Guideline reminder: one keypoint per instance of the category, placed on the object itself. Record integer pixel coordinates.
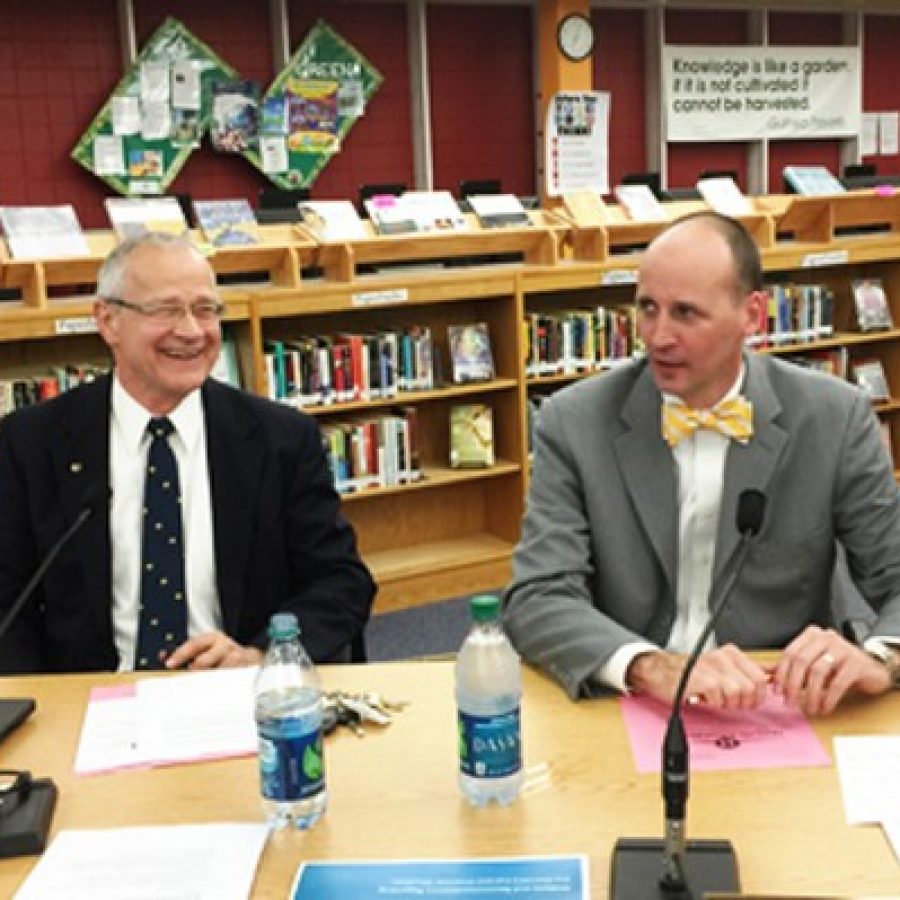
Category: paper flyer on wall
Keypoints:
(577, 142)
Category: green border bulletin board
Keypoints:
(311, 107)
(150, 164)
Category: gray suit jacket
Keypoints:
(596, 564)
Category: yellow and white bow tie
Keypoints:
(733, 418)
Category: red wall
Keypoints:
(619, 66)
(482, 109)
(881, 85)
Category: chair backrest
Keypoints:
(278, 198)
(651, 179)
(860, 170)
(472, 187)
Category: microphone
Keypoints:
(95, 498)
(689, 869)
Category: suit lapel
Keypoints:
(235, 467)
(80, 459)
(750, 465)
(649, 473)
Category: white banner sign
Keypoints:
(746, 93)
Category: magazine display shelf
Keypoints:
(538, 244)
(452, 531)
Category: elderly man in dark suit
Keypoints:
(637, 474)
(249, 522)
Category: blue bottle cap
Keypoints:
(283, 625)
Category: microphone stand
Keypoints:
(674, 868)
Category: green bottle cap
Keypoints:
(485, 608)
(283, 626)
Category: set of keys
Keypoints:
(355, 710)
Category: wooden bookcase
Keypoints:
(453, 532)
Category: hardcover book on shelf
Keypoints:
(586, 208)
(434, 211)
(471, 356)
(870, 377)
(872, 310)
(639, 203)
(390, 214)
(332, 220)
(499, 211)
(812, 181)
(132, 217)
(42, 232)
(724, 196)
(227, 223)
(471, 436)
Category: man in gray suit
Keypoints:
(626, 531)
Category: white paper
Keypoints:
(892, 832)
(869, 769)
(887, 133)
(202, 715)
(186, 91)
(109, 155)
(868, 134)
(108, 734)
(155, 82)
(273, 153)
(156, 120)
(200, 862)
(126, 115)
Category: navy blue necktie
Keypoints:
(162, 622)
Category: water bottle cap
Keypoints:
(283, 625)
(485, 607)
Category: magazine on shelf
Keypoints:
(471, 356)
(870, 378)
(390, 215)
(434, 211)
(471, 436)
(724, 196)
(499, 210)
(227, 223)
(42, 232)
(332, 220)
(132, 217)
(640, 203)
(812, 181)
(872, 310)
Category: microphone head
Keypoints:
(751, 509)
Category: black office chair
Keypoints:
(681, 193)
(651, 179)
(860, 170)
(367, 191)
(719, 173)
(469, 188)
(279, 198)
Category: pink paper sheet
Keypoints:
(773, 736)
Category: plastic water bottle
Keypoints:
(289, 725)
(488, 698)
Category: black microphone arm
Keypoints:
(96, 497)
(688, 870)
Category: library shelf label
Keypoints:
(828, 258)
(619, 276)
(76, 325)
(373, 298)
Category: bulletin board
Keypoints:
(310, 108)
(156, 115)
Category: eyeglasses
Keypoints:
(170, 313)
(14, 790)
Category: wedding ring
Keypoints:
(828, 659)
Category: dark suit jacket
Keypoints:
(281, 543)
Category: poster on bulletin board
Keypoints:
(577, 142)
(310, 107)
(157, 113)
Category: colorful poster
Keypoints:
(577, 142)
(235, 109)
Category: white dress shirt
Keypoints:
(700, 461)
(128, 446)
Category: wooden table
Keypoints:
(393, 794)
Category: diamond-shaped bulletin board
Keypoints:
(156, 115)
(311, 106)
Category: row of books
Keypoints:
(795, 313)
(38, 232)
(322, 370)
(26, 391)
(375, 451)
(579, 340)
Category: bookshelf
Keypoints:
(453, 531)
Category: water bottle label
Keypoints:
(490, 746)
(291, 768)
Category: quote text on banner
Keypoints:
(747, 93)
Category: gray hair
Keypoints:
(112, 273)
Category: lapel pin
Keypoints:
(75, 467)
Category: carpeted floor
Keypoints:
(429, 630)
